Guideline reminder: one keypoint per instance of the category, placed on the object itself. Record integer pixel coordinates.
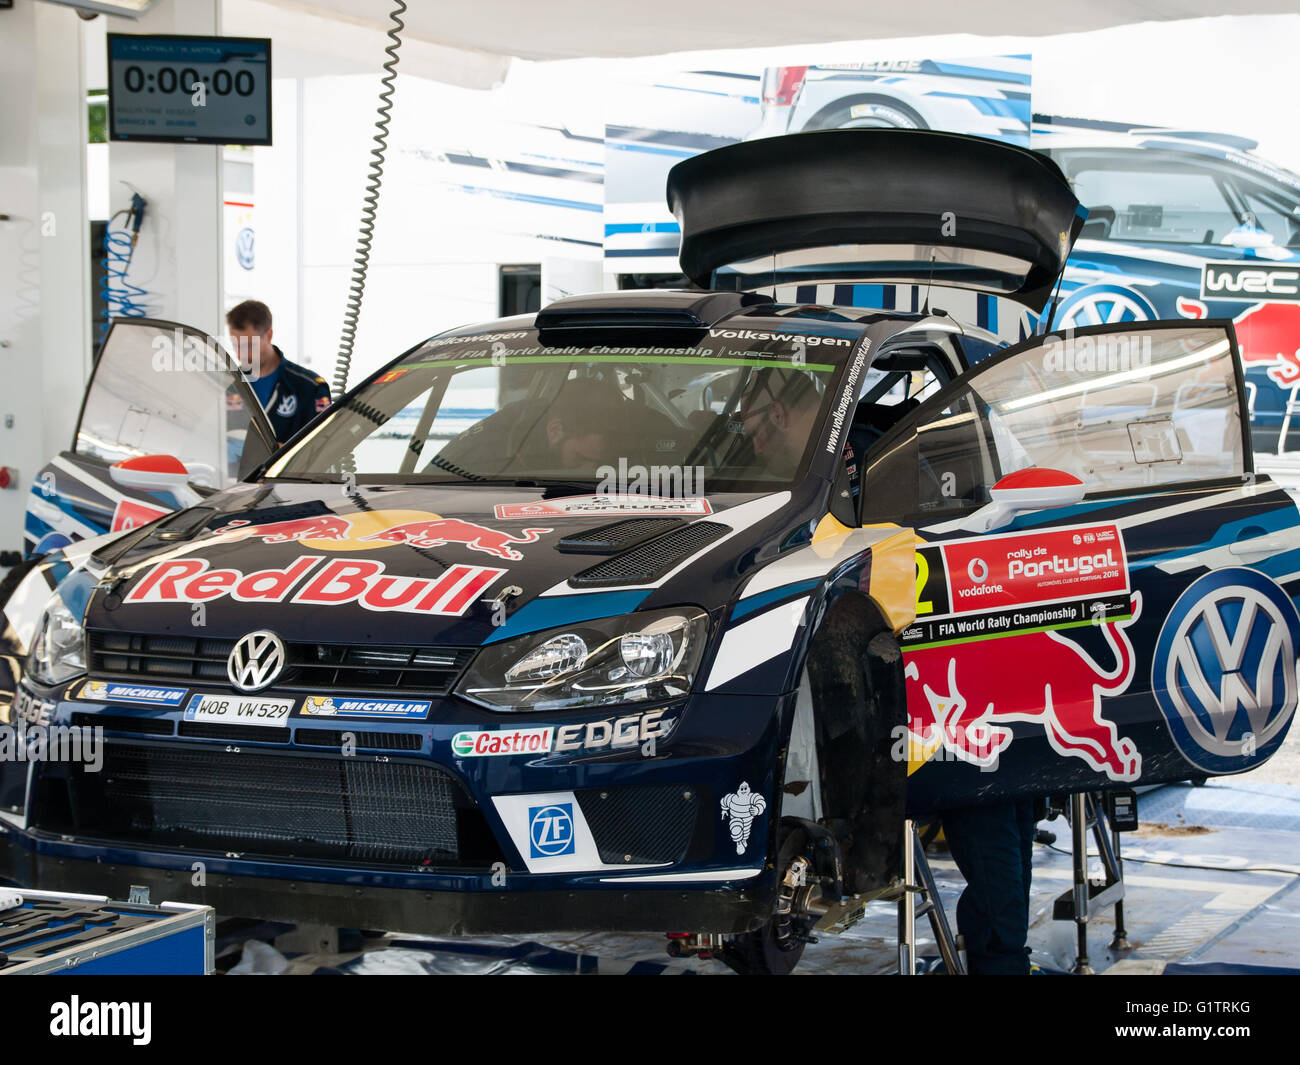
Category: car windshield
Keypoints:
(738, 411)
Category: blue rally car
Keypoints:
(661, 610)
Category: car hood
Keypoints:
(424, 565)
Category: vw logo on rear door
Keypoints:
(1224, 669)
(256, 661)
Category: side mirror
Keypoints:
(150, 473)
(155, 473)
(1033, 488)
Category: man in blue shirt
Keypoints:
(290, 394)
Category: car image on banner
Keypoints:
(1189, 224)
(662, 610)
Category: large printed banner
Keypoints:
(652, 127)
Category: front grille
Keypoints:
(640, 825)
(218, 730)
(150, 726)
(311, 666)
(650, 560)
(267, 804)
(380, 741)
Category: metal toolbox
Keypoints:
(55, 932)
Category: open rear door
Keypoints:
(158, 388)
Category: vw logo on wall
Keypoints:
(1224, 671)
(256, 661)
(244, 247)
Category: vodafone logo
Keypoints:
(337, 583)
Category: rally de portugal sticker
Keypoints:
(1035, 579)
(1224, 669)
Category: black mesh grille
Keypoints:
(384, 741)
(262, 804)
(621, 534)
(146, 726)
(652, 559)
(216, 730)
(640, 826)
(312, 666)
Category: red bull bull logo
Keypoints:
(317, 527)
(963, 695)
(1269, 335)
(439, 532)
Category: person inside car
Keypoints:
(290, 394)
(779, 414)
(574, 433)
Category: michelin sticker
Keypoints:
(108, 692)
(1224, 669)
(742, 808)
(334, 706)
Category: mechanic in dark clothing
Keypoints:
(993, 847)
(290, 394)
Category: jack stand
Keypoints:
(1088, 896)
(919, 880)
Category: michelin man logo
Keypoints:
(742, 808)
(319, 705)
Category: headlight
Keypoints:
(643, 657)
(58, 654)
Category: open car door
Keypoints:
(158, 389)
(1106, 593)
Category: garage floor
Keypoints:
(1213, 880)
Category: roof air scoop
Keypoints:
(875, 205)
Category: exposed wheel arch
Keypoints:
(853, 677)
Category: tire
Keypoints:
(776, 948)
(880, 113)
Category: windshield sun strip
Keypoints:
(701, 360)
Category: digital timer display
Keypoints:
(197, 90)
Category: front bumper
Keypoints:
(507, 885)
(483, 911)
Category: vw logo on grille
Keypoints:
(256, 661)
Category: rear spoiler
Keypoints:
(872, 205)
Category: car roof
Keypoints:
(601, 313)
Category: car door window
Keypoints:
(1121, 409)
(1153, 200)
(159, 388)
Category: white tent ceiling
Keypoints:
(471, 42)
(571, 29)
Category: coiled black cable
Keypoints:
(374, 179)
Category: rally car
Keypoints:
(986, 97)
(1188, 224)
(660, 611)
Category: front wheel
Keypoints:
(776, 948)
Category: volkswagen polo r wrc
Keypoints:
(661, 611)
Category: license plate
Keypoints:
(239, 709)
